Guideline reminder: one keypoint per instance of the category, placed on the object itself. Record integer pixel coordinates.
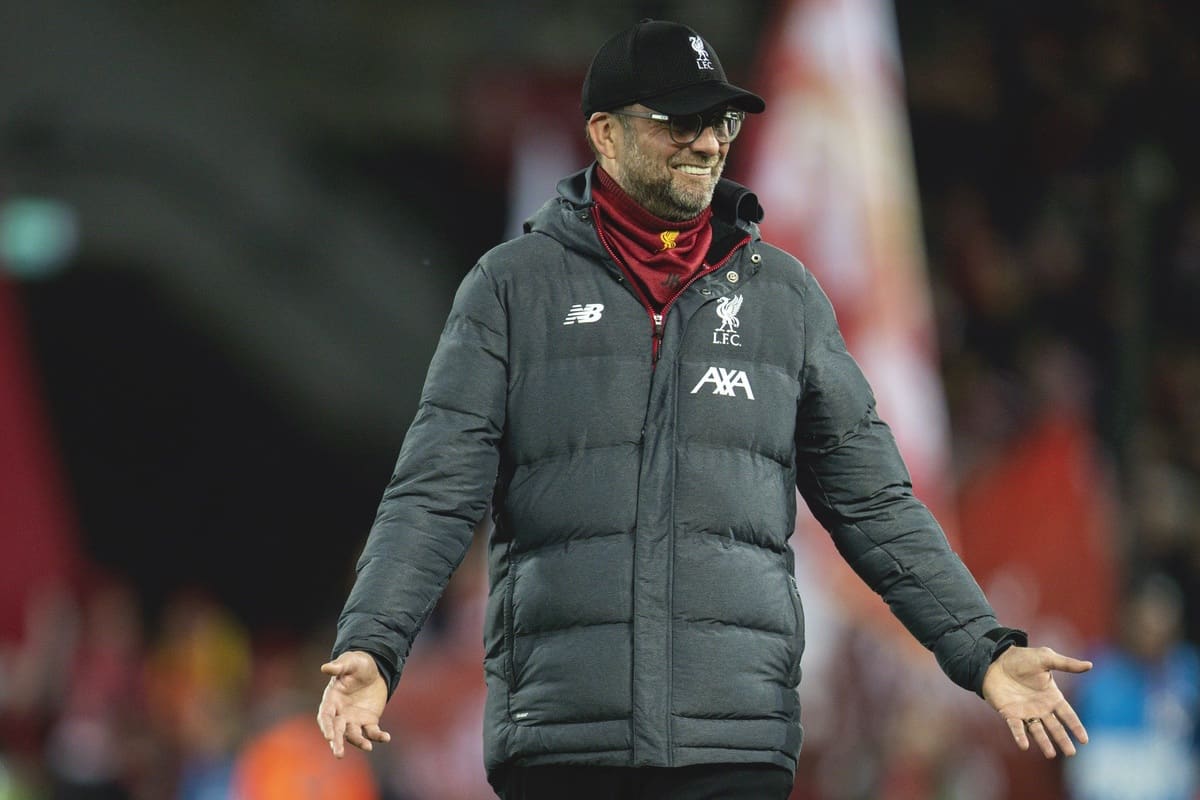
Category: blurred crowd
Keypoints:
(1058, 171)
(1060, 187)
(100, 702)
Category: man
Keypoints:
(639, 384)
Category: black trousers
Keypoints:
(701, 782)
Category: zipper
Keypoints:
(657, 328)
(702, 273)
(658, 322)
(660, 319)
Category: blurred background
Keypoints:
(229, 235)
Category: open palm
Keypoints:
(1020, 685)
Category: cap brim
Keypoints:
(700, 97)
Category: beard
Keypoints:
(660, 190)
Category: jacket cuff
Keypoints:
(390, 674)
(998, 639)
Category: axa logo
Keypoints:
(583, 314)
(703, 59)
(725, 382)
(727, 312)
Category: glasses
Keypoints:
(687, 128)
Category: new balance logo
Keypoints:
(584, 313)
(726, 382)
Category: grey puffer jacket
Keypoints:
(643, 609)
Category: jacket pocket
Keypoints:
(798, 638)
(516, 715)
(510, 671)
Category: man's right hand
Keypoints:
(352, 703)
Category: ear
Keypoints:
(603, 128)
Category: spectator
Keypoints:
(1141, 705)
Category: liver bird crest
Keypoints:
(727, 309)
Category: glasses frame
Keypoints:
(710, 122)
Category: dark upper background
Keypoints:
(276, 200)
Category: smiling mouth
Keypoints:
(690, 169)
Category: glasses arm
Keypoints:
(654, 115)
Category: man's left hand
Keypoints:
(1020, 685)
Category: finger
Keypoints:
(1037, 731)
(334, 668)
(354, 736)
(1017, 728)
(1072, 721)
(375, 733)
(338, 744)
(325, 722)
(1059, 735)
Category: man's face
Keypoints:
(672, 181)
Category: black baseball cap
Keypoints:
(665, 66)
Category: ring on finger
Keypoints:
(1033, 721)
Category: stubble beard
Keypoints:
(652, 185)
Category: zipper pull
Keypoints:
(658, 335)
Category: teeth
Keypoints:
(690, 170)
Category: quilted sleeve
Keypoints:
(441, 485)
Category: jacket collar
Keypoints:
(733, 204)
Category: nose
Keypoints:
(707, 144)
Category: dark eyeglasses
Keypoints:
(687, 128)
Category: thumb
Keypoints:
(335, 668)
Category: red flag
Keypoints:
(831, 162)
(36, 525)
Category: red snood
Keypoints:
(660, 255)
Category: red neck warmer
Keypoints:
(660, 255)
